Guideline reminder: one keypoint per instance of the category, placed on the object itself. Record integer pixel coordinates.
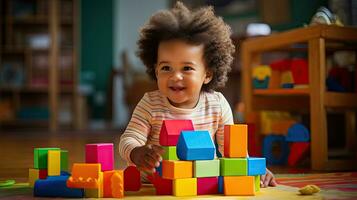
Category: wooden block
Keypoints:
(220, 185)
(162, 186)
(206, 168)
(64, 160)
(207, 185)
(176, 169)
(236, 141)
(256, 166)
(117, 183)
(54, 163)
(34, 174)
(40, 157)
(132, 179)
(170, 153)
(185, 187)
(171, 130)
(195, 145)
(234, 166)
(85, 175)
(257, 183)
(239, 185)
(102, 153)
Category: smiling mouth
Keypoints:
(177, 88)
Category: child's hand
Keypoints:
(147, 157)
(267, 180)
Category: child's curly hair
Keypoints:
(196, 27)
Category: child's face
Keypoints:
(181, 72)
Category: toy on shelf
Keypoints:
(261, 76)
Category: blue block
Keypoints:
(220, 185)
(159, 169)
(256, 166)
(195, 145)
(298, 133)
(268, 142)
(55, 186)
(261, 84)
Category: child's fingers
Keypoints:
(159, 150)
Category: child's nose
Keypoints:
(177, 76)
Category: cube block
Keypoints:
(162, 186)
(207, 185)
(132, 179)
(206, 168)
(234, 166)
(55, 186)
(170, 153)
(54, 163)
(176, 169)
(95, 192)
(102, 153)
(239, 185)
(171, 130)
(256, 166)
(85, 175)
(64, 160)
(185, 187)
(236, 141)
(195, 145)
(34, 175)
(257, 183)
(113, 180)
(40, 157)
(220, 185)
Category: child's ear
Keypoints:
(209, 76)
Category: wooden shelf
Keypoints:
(341, 100)
(282, 92)
(63, 89)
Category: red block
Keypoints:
(42, 174)
(132, 180)
(297, 151)
(253, 141)
(281, 65)
(171, 129)
(207, 185)
(300, 71)
(162, 186)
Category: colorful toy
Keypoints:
(261, 76)
(298, 133)
(132, 180)
(268, 146)
(102, 153)
(54, 163)
(239, 185)
(300, 71)
(64, 160)
(234, 166)
(236, 140)
(281, 126)
(176, 169)
(220, 185)
(171, 129)
(185, 187)
(55, 186)
(162, 186)
(113, 183)
(195, 145)
(207, 185)
(206, 168)
(170, 153)
(85, 175)
(297, 151)
(40, 157)
(256, 166)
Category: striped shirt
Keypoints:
(211, 113)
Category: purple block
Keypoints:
(102, 153)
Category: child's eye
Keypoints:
(165, 68)
(187, 68)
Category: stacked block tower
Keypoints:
(190, 168)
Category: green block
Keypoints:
(206, 168)
(234, 166)
(257, 183)
(170, 153)
(64, 160)
(40, 157)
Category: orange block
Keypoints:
(236, 141)
(113, 180)
(239, 185)
(97, 192)
(85, 175)
(174, 169)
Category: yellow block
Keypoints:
(97, 192)
(85, 175)
(261, 72)
(236, 141)
(257, 183)
(54, 163)
(174, 169)
(287, 77)
(34, 174)
(239, 185)
(185, 187)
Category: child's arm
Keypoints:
(147, 157)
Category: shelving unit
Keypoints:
(316, 41)
(40, 38)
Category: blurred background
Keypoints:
(68, 68)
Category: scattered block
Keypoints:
(117, 184)
(297, 151)
(236, 141)
(195, 145)
(185, 187)
(40, 157)
(257, 183)
(220, 185)
(234, 166)
(55, 186)
(33, 176)
(207, 185)
(256, 166)
(176, 169)
(109, 183)
(54, 163)
(239, 185)
(162, 186)
(298, 133)
(64, 160)
(171, 130)
(170, 153)
(206, 168)
(132, 179)
(268, 148)
(102, 153)
(85, 175)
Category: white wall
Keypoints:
(129, 16)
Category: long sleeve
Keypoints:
(138, 129)
(226, 118)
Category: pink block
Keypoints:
(207, 185)
(102, 153)
(171, 130)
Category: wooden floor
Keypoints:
(16, 148)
